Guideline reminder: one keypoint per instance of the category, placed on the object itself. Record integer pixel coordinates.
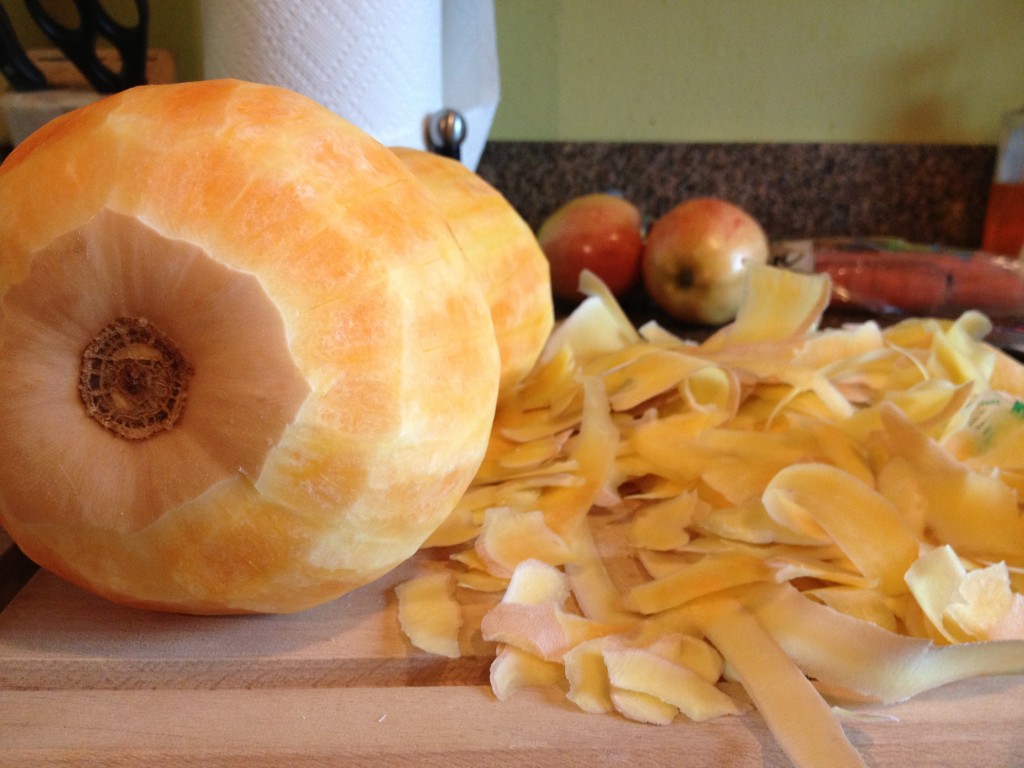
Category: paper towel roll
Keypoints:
(384, 66)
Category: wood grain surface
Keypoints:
(84, 681)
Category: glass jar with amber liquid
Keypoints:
(1004, 219)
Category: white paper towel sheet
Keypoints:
(384, 65)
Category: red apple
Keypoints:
(696, 257)
(600, 232)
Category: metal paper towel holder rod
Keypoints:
(446, 130)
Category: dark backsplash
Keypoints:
(922, 193)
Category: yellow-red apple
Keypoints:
(696, 256)
(600, 232)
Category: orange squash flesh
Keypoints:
(503, 252)
(344, 367)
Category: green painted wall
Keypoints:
(759, 70)
(729, 70)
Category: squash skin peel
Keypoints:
(773, 558)
(381, 316)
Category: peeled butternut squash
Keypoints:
(244, 364)
(503, 252)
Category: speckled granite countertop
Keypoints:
(925, 193)
(922, 193)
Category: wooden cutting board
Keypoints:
(86, 681)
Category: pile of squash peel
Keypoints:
(825, 517)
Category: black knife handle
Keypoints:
(17, 67)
